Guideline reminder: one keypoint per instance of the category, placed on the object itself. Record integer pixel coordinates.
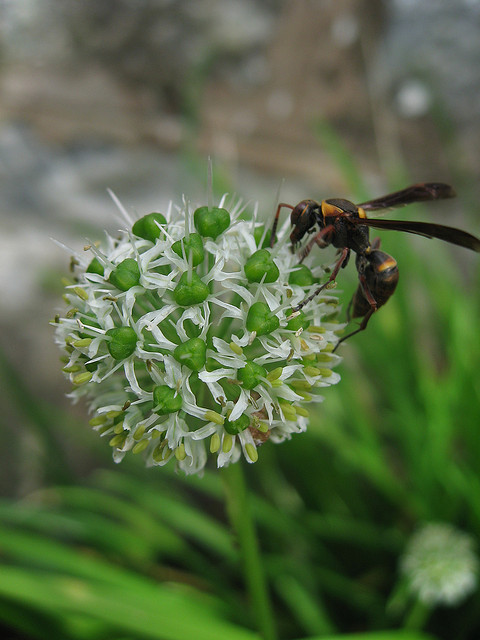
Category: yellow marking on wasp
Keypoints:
(361, 213)
(330, 209)
(387, 264)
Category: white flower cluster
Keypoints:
(180, 334)
(440, 565)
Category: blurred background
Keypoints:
(338, 98)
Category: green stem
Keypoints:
(417, 616)
(240, 515)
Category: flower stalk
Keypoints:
(239, 511)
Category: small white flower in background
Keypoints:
(178, 333)
(440, 565)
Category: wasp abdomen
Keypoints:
(381, 277)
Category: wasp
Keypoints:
(345, 225)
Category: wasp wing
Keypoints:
(421, 192)
(429, 230)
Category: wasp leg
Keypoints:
(343, 257)
(362, 327)
(373, 307)
(275, 222)
(318, 239)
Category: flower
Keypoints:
(180, 334)
(440, 564)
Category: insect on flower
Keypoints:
(345, 225)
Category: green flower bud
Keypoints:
(237, 426)
(96, 266)
(190, 290)
(236, 348)
(312, 371)
(260, 266)
(140, 446)
(82, 378)
(261, 320)
(324, 357)
(298, 322)
(258, 235)
(147, 226)
(213, 416)
(302, 276)
(212, 364)
(81, 293)
(166, 400)
(122, 343)
(125, 275)
(193, 246)
(192, 353)
(251, 374)
(251, 451)
(214, 443)
(210, 222)
(275, 374)
(180, 453)
(227, 443)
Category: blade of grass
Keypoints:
(187, 519)
(160, 612)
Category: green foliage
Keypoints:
(148, 553)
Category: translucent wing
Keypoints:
(422, 192)
(429, 230)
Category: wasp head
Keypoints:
(303, 219)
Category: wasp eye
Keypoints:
(295, 215)
(302, 220)
(302, 213)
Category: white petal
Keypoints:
(218, 374)
(204, 432)
(240, 406)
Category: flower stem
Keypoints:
(240, 515)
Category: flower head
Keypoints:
(180, 334)
(440, 564)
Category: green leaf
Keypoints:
(156, 611)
